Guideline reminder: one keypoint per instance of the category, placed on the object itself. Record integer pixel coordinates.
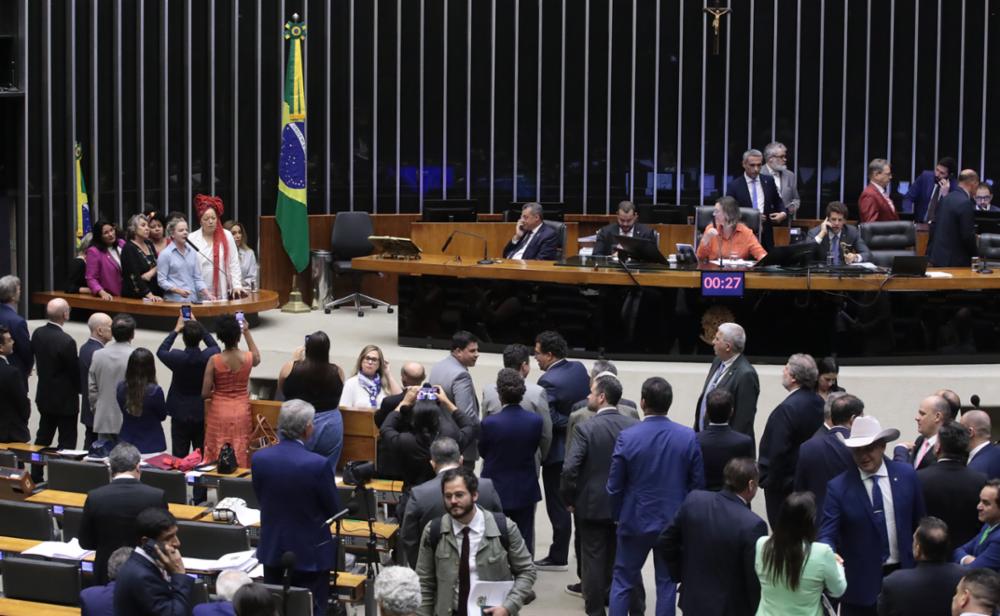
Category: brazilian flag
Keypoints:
(292, 212)
(81, 202)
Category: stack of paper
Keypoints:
(244, 561)
(57, 549)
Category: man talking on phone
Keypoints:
(153, 580)
(533, 239)
(838, 239)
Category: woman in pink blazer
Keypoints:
(104, 261)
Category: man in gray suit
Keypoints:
(518, 357)
(425, 502)
(848, 245)
(452, 374)
(776, 166)
(107, 369)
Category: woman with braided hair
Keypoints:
(219, 260)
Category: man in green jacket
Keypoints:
(467, 535)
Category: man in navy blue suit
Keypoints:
(564, 382)
(929, 188)
(710, 546)
(824, 455)
(755, 190)
(10, 294)
(952, 240)
(718, 441)
(869, 515)
(297, 493)
(984, 456)
(99, 600)
(789, 425)
(153, 579)
(656, 463)
(533, 239)
(928, 587)
(983, 550)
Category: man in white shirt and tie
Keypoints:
(751, 189)
(837, 242)
(533, 239)
(933, 412)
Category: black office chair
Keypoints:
(199, 593)
(238, 488)
(560, 229)
(989, 246)
(704, 214)
(348, 240)
(77, 476)
(26, 521)
(72, 519)
(43, 581)
(889, 239)
(300, 600)
(173, 483)
(208, 540)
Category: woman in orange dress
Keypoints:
(226, 393)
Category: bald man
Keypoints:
(953, 233)
(100, 334)
(58, 366)
(984, 456)
(411, 375)
(933, 412)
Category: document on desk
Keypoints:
(70, 550)
(244, 561)
(487, 594)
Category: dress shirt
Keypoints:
(752, 185)
(777, 177)
(889, 508)
(141, 552)
(519, 253)
(177, 270)
(926, 447)
(975, 450)
(477, 531)
(248, 266)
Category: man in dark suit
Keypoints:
(731, 371)
(710, 546)
(564, 382)
(929, 188)
(754, 190)
(425, 502)
(109, 514)
(984, 456)
(719, 443)
(626, 225)
(10, 294)
(951, 491)
(875, 203)
(848, 245)
(297, 494)
(855, 521)
(58, 393)
(977, 594)
(100, 334)
(824, 455)
(99, 600)
(153, 580)
(15, 408)
(584, 490)
(983, 549)
(925, 590)
(533, 239)
(932, 413)
(790, 424)
(184, 403)
(656, 463)
(952, 240)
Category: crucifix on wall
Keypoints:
(717, 12)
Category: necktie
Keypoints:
(923, 451)
(712, 384)
(753, 193)
(878, 508)
(932, 204)
(463, 574)
(835, 248)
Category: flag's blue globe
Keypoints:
(293, 156)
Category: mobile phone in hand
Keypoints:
(241, 318)
(186, 312)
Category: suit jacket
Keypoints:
(789, 190)
(849, 234)
(544, 246)
(741, 381)
(986, 552)
(719, 445)
(23, 358)
(873, 206)
(564, 383)
(849, 527)
(15, 408)
(85, 359)
(951, 492)
(107, 368)
(605, 244)
(535, 401)
(141, 589)
(103, 273)
(58, 391)
(918, 197)
(296, 492)
(184, 402)
(456, 381)
(581, 414)
(987, 461)
(773, 204)
(821, 458)
(585, 471)
(952, 241)
(108, 521)
(98, 600)
(901, 454)
(426, 503)
(790, 424)
(213, 608)
(710, 548)
(508, 441)
(925, 590)
(655, 464)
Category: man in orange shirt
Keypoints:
(874, 203)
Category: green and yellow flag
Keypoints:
(292, 212)
(81, 202)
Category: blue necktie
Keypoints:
(712, 384)
(753, 193)
(878, 508)
(835, 247)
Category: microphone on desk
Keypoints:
(485, 260)
(229, 280)
(447, 242)
(336, 516)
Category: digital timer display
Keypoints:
(722, 284)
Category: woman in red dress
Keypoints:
(226, 393)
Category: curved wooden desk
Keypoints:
(257, 302)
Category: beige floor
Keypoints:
(891, 393)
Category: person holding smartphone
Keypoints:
(532, 238)
(838, 239)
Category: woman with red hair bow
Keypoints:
(220, 260)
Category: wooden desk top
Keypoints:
(239, 473)
(21, 447)
(15, 544)
(77, 499)
(257, 302)
(15, 607)
(381, 485)
(359, 528)
(547, 271)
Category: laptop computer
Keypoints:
(641, 250)
(784, 256)
(909, 266)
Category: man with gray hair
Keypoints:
(776, 166)
(297, 494)
(875, 203)
(790, 424)
(10, 294)
(397, 591)
(731, 371)
(100, 600)
(100, 334)
(751, 189)
(533, 239)
(109, 512)
(226, 585)
(58, 392)
(984, 456)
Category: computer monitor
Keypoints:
(449, 210)
(987, 222)
(655, 213)
(551, 210)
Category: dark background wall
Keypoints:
(581, 101)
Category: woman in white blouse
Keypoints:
(219, 260)
(248, 260)
(371, 382)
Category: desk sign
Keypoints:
(722, 284)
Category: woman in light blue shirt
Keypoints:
(793, 568)
(177, 268)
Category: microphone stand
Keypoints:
(338, 607)
(485, 260)
(229, 281)
(371, 551)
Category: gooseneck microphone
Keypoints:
(485, 260)
(229, 280)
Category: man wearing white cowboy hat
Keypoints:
(869, 515)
